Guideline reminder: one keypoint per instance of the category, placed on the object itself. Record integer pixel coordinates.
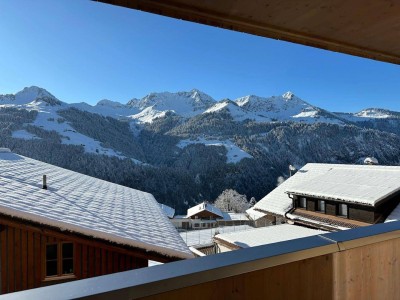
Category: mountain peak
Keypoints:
(109, 103)
(29, 94)
(288, 95)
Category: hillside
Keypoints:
(187, 147)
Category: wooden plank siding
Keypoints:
(23, 262)
(367, 271)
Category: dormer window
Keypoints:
(343, 211)
(303, 202)
(321, 206)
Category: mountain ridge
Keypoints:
(188, 153)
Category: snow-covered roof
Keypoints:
(255, 214)
(277, 201)
(205, 236)
(358, 183)
(204, 207)
(230, 216)
(267, 235)
(86, 205)
(168, 211)
(363, 184)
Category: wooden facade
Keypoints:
(23, 256)
(205, 214)
(355, 212)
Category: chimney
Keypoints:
(44, 182)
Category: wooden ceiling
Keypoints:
(366, 28)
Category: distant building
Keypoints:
(201, 216)
(262, 219)
(66, 226)
(335, 197)
(206, 215)
(204, 211)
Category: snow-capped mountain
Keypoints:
(139, 113)
(370, 114)
(184, 104)
(28, 95)
(284, 108)
(186, 147)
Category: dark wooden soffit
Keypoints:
(365, 28)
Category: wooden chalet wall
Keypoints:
(356, 212)
(23, 257)
(205, 214)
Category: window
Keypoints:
(343, 210)
(303, 202)
(321, 206)
(59, 259)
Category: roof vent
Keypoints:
(5, 150)
(44, 182)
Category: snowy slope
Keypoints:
(107, 108)
(235, 111)
(234, 154)
(47, 106)
(28, 95)
(370, 114)
(185, 104)
(287, 107)
(141, 112)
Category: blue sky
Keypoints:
(81, 50)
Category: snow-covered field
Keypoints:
(205, 236)
(234, 155)
(23, 134)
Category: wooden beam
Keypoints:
(362, 28)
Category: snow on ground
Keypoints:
(23, 134)
(48, 119)
(234, 155)
(148, 115)
(237, 113)
(107, 108)
(205, 236)
(374, 114)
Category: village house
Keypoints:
(335, 197)
(57, 225)
(206, 215)
(203, 215)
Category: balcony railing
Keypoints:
(362, 263)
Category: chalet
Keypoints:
(335, 197)
(203, 215)
(261, 236)
(204, 211)
(57, 225)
